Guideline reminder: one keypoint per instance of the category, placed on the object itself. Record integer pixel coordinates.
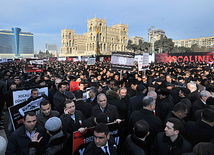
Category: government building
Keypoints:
(16, 44)
(110, 39)
(206, 42)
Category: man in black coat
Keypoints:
(19, 140)
(52, 92)
(180, 110)
(170, 142)
(135, 143)
(71, 119)
(146, 113)
(59, 98)
(82, 106)
(135, 100)
(200, 103)
(201, 130)
(102, 143)
(166, 103)
(103, 106)
(115, 99)
(93, 96)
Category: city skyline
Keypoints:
(45, 19)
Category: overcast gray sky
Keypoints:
(180, 19)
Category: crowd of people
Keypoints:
(167, 109)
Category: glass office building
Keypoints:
(16, 43)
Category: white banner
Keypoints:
(20, 96)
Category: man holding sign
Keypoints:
(102, 144)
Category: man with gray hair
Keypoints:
(146, 113)
(194, 95)
(93, 96)
(200, 103)
(103, 106)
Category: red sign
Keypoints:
(74, 86)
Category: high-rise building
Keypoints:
(16, 44)
(110, 39)
(156, 34)
(206, 42)
(135, 39)
(51, 47)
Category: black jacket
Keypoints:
(58, 146)
(84, 107)
(164, 146)
(41, 118)
(135, 146)
(198, 131)
(93, 103)
(58, 102)
(166, 106)
(114, 98)
(69, 125)
(92, 149)
(133, 101)
(110, 110)
(18, 141)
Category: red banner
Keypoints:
(207, 57)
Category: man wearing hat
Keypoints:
(59, 142)
(166, 103)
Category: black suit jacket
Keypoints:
(84, 107)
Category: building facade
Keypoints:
(135, 39)
(156, 34)
(206, 42)
(110, 39)
(16, 44)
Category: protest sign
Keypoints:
(74, 86)
(122, 61)
(17, 111)
(22, 95)
(91, 61)
(34, 65)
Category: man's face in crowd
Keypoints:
(134, 87)
(100, 139)
(168, 79)
(123, 93)
(144, 78)
(91, 94)
(100, 89)
(57, 83)
(17, 81)
(63, 88)
(30, 122)
(182, 115)
(70, 107)
(34, 94)
(46, 109)
(111, 85)
(102, 101)
(13, 86)
(169, 129)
